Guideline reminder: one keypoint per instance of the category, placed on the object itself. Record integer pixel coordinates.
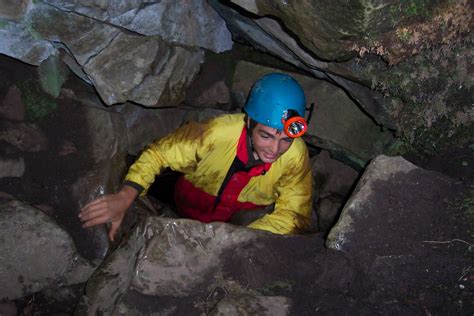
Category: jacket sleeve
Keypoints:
(292, 213)
(180, 151)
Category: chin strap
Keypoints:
(310, 112)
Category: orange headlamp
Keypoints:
(294, 126)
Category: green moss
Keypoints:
(38, 105)
(404, 37)
(3, 24)
(403, 12)
(52, 75)
(419, 7)
(440, 136)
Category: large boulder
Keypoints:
(144, 125)
(36, 253)
(186, 267)
(408, 232)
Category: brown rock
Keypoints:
(12, 107)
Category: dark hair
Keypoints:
(253, 124)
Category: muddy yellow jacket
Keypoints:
(205, 152)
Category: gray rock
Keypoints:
(12, 167)
(179, 266)
(327, 210)
(93, 243)
(17, 39)
(55, 25)
(182, 265)
(163, 257)
(36, 253)
(214, 96)
(201, 115)
(143, 125)
(107, 132)
(108, 148)
(122, 66)
(332, 177)
(194, 24)
(148, 71)
(109, 283)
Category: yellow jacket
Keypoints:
(204, 153)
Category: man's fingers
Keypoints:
(96, 221)
(93, 207)
(93, 214)
(94, 202)
(113, 229)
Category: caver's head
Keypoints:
(276, 109)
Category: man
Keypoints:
(232, 163)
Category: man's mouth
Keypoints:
(270, 156)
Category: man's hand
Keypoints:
(108, 208)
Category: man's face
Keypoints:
(268, 143)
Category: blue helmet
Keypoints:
(272, 99)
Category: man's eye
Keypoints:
(288, 140)
(264, 136)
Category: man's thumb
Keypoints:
(113, 230)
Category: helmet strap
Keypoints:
(250, 125)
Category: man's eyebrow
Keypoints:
(266, 133)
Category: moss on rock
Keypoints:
(38, 105)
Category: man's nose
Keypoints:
(275, 147)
